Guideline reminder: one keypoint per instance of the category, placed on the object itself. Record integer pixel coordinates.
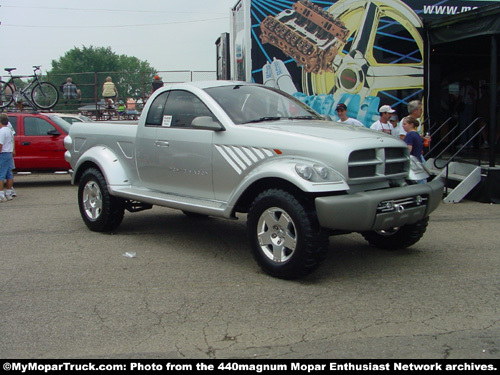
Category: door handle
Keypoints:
(25, 143)
(161, 143)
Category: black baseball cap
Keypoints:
(341, 106)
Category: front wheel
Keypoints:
(397, 238)
(45, 95)
(100, 211)
(6, 94)
(285, 237)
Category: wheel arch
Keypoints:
(105, 160)
(251, 192)
(77, 174)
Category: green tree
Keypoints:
(89, 67)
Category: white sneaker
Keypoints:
(8, 197)
(13, 193)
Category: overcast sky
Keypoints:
(169, 34)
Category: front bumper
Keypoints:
(379, 209)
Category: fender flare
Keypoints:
(106, 160)
(284, 169)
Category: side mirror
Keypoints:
(53, 132)
(326, 117)
(206, 122)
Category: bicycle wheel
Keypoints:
(45, 95)
(6, 92)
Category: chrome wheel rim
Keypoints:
(92, 200)
(277, 235)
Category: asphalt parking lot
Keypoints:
(192, 290)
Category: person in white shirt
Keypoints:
(9, 125)
(415, 111)
(342, 113)
(383, 124)
(398, 128)
(6, 155)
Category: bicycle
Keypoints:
(38, 94)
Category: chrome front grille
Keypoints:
(380, 162)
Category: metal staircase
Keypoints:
(460, 179)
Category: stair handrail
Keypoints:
(436, 144)
(431, 126)
(452, 143)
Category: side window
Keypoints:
(182, 108)
(13, 122)
(37, 126)
(155, 114)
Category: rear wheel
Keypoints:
(285, 237)
(45, 95)
(399, 237)
(100, 211)
(6, 94)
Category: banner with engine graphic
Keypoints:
(364, 54)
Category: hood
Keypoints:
(323, 129)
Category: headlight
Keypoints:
(304, 171)
(321, 171)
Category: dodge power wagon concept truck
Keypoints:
(220, 148)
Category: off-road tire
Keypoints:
(100, 211)
(398, 238)
(276, 214)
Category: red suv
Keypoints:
(39, 142)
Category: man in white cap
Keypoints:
(383, 124)
(343, 118)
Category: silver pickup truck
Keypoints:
(221, 148)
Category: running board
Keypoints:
(185, 203)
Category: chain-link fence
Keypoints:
(132, 87)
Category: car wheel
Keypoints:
(285, 237)
(100, 211)
(397, 238)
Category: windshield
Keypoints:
(246, 104)
(62, 123)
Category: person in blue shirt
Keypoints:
(412, 137)
(414, 140)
